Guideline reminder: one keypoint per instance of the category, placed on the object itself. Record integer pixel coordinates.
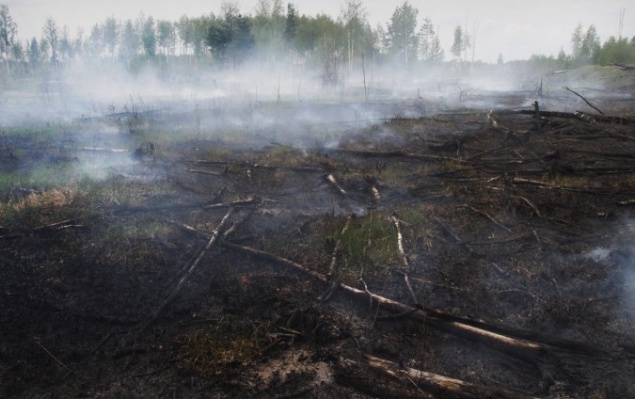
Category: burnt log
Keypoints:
(523, 344)
(440, 384)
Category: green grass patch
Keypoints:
(220, 349)
(36, 132)
(367, 248)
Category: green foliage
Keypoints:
(291, 25)
(542, 64)
(130, 41)
(312, 31)
(8, 29)
(585, 45)
(230, 38)
(354, 19)
(33, 54)
(110, 32)
(267, 27)
(148, 38)
(369, 245)
(618, 51)
(461, 42)
(272, 34)
(50, 33)
(401, 37)
(429, 44)
(166, 36)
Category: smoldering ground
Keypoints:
(339, 197)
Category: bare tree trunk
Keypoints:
(364, 73)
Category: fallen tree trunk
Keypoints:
(373, 383)
(190, 270)
(168, 207)
(618, 120)
(249, 202)
(520, 348)
(98, 149)
(208, 172)
(440, 384)
(524, 344)
(395, 154)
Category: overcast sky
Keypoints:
(514, 28)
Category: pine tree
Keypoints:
(291, 26)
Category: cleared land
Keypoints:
(459, 254)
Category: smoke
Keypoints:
(91, 89)
(105, 107)
(619, 257)
(598, 254)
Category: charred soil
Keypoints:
(466, 254)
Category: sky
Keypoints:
(512, 28)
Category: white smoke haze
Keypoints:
(244, 99)
(280, 97)
(90, 88)
(254, 105)
(620, 253)
(598, 254)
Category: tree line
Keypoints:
(229, 38)
(585, 49)
(274, 32)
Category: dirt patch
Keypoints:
(467, 254)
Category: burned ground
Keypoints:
(460, 254)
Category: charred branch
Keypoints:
(338, 244)
(439, 384)
(333, 182)
(375, 192)
(353, 374)
(168, 207)
(577, 115)
(516, 342)
(493, 120)
(396, 154)
(488, 217)
(585, 100)
(402, 253)
(452, 234)
(189, 271)
(246, 203)
(65, 224)
(299, 169)
(209, 172)
(528, 202)
(99, 149)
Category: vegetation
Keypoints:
(276, 34)
(230, 38)
(446, 215)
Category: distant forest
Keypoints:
(276, 33)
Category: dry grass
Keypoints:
(221, 348)
(40, 208)
(53, 198)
